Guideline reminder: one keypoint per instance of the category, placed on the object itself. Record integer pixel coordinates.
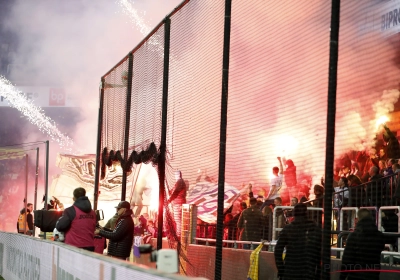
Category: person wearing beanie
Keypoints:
(302, 240)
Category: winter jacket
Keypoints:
(24, 220)
(79, 230)
(250, 224)
(302, 239)
(363, 251)
(121, 238)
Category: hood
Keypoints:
(83, 203)
(366, 224)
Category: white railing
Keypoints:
(274, 217)
(350, 209)
(24, 257)
(398, 220)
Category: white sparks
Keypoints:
(132, 13)
(155, 40)
(33, 113)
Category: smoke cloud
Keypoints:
(71, 45)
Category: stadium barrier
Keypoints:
(239, 259)
(353, 213)
(311, 210)
(24, 257)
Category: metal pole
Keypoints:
(127, 125)
(163, 144)
(46, 176)
(222, 141)
(46, 181)
(330, 138)
(36, 185)
(26, 192)
(36, 178)
(98, 148)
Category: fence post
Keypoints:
(127, 126)
(98, 148)
(330, 137)
(222, 140)
(163, 144)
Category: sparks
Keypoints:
(33, 113)
(132, 13)
(155, 40)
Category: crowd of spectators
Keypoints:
(362, 178)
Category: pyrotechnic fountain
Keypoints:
(34, 114)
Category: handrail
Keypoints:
(275, 229)
(341, 215)
(235, 242)
(380, 219)
(390, 191)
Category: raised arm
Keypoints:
(280, 165)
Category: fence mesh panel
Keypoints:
(278, 102)
(113, 132)
(147, 82)
(194, 106)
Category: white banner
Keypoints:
(387, 17)
(45, 96)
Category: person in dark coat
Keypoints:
(363, 249)
(302, 239)
(393, 147)
(374, 188)
(121, 238)
(250, 223)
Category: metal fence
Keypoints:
(220, 89)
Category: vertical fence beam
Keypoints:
(36, 178)
(330, 138)
(26, 190)
(222, 140)
(127, 126)
(163, 144)
(98, 147)
(46, 177)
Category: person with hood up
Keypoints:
(78, 222)
(121, 238)
(302, 239)
(362, 254)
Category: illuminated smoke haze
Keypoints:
(278, 76)
(71, 45)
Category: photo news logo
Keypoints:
(56, 97)
(357, 268)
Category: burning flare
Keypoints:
(381, 120)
